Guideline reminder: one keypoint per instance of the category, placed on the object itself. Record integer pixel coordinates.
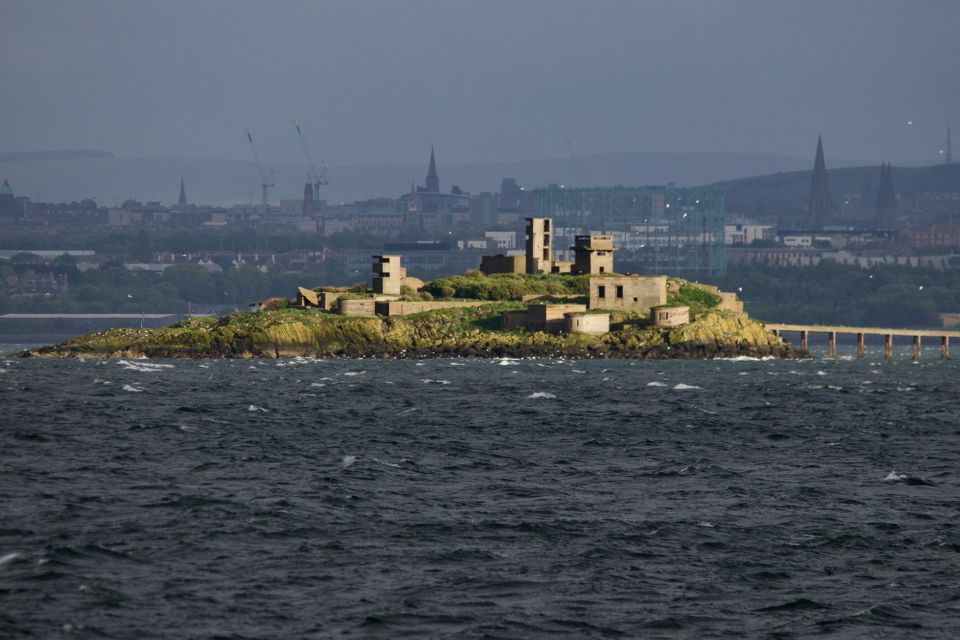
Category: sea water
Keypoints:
(479, 498)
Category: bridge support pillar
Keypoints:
(916, 347)
(860, 344)
(832, 345)
(888, 346)
(805, 340)
(945, 347)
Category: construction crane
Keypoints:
(266, 181)
(583, 186)
(318, 178)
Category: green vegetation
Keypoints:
(889, 296)
(279, 331)
(690, 295)
(507, 286)
(113, 289)
(446, 332)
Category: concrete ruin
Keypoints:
(539, 246)
(310, 299)
(388, 274)
(595, 324)
(635, 294)
(669, 316)
(593, 254)
(357, 307)
(405, 308)
(541, 317)
(500, 263)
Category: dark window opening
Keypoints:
(601, 291)
(619, 289)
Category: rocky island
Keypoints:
(472, 328)
(513, 306)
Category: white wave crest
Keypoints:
(254, 407)
(542, 394)
(131, 388)
(656, 383)
(143, 367)
(893, 476)
(389, 464)
(684, 387)
(348, 461)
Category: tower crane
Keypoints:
(266, 181)
(583, 186)
(318, 178)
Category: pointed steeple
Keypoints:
(886, 197)
(182, 200)
(433, 180)
(821, 205)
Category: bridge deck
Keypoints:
(871, 331)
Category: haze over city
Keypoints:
(379, 82)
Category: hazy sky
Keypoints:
(380, 81)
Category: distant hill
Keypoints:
(74, 175)
(785, 194)
(70, 154)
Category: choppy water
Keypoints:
(479, 499)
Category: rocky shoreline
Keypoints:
(450, 333)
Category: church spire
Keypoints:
(433, 180)
(182, 200)
(886, 197)
(820, 202)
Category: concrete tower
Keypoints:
(182, 200)
(433, 180)
(539, 247)
(821, 205)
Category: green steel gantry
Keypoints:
(664, 229)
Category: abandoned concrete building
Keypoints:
(539, 247)
(307, 298)
(636, 294)
(593, 254)
(590, 323)
(500, 263)
(543, 317)
(326, 300)
(389, 275)
(669, 316)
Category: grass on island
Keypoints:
(282, 331)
